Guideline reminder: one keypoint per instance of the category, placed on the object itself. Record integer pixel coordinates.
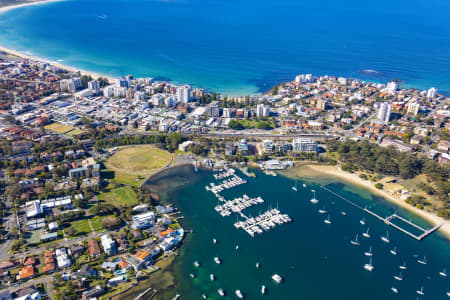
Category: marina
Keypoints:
(237, 205)
(226, 173)
(263, 222)
(226, 184)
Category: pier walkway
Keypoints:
(388, 220)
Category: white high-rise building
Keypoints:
(413, 108)
(158, 99)
(124, 82)
(392, 87)
(431, 93)
(304, 78)
(384, 112)
(170, 101)
(184, 94)
(262, 110)
(226, 113)
(94, 86)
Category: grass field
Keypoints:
(82, 226)
(123, 196)
(131, 165)
(97, 223)
(59, 128)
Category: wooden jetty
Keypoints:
(388, 220)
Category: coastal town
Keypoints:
(75, 223)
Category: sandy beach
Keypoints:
(317, 170)
(36, 58)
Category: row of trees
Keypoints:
(169, 142)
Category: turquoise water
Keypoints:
(240, 47)
(316, 260)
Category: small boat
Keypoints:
(362, 221)
(239, 294)
(263, 289)
(322, 211)
(304, 185)
(385, 238)
(327, 221)
(343, 213)
(237, 247)
(394, 251)
(369, 253)
(277, 278)
(366, 234)
(355, 241)
(217, 260)
(221, 292)
(399, 277)
(394, 290)
(422, 261)
(176, 297)
(369, 267)
(212, 277)
(196, 264)
(192, 275)
(214, 241)
(443, 272)
(420, 292)
(313, 199)
(204, 296)
(403, 267)
(257, 265)
(294, 188)
(448, 294)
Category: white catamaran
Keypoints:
(369, 267)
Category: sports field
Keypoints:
(131, 165)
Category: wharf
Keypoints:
(388, 220)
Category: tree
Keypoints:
(71, 231)
(379, 186)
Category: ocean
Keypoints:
(316, 260)
(240, 47)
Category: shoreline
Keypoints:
(316, 170)
(9, 7)
(17, 53)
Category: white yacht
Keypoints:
(355, 241)
(394, 290)
(214, 241)
(403, 267)
(394, 251)
(399, 277)
(443, 272)
(343, 213)
(196, 264)
(239, 294)
(366, 234)
(304, 185)
(385, 238)
(327, 221)
(420, 292)
(369, 253)
(263, 289)
(313, 199)
(217, 260)
(294, 188)
(277, 278)
(422, 261)
(204, 296)
(192, 275)
(448, 294)
(362, 221)
(257, 265)
(237, 247)
(221, 292)
(212, 277)
(369, 267)
(322, 211)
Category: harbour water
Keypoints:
(240, 47)
(316, 260)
